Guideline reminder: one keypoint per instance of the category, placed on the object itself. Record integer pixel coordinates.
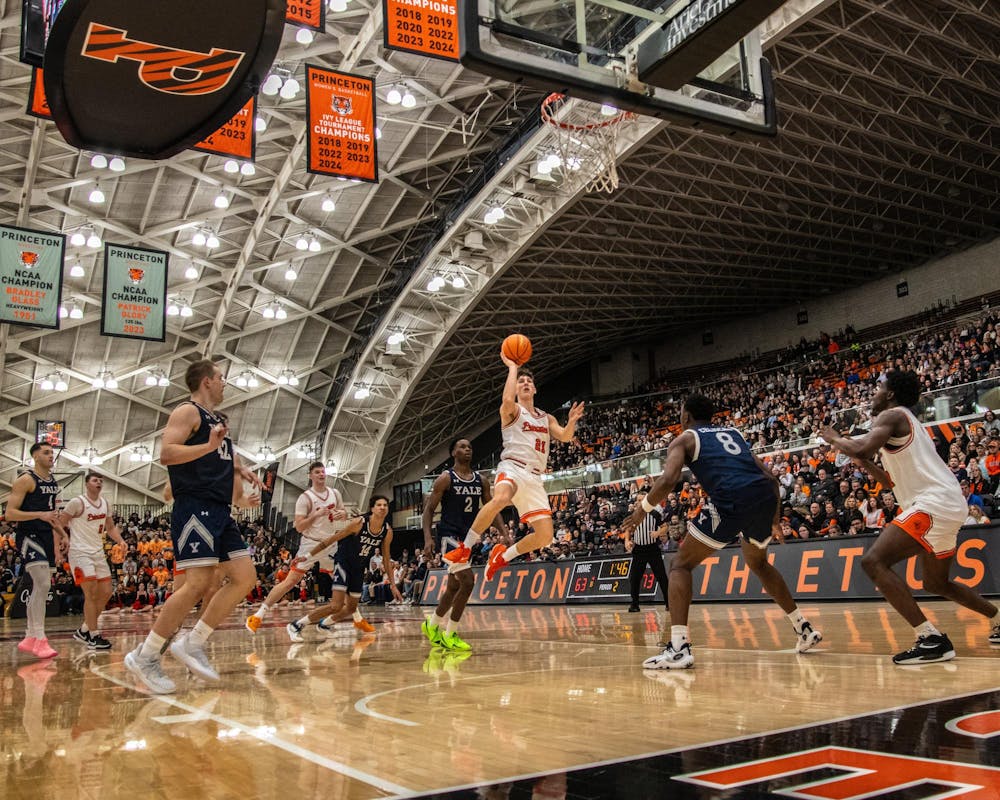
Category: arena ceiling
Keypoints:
(888, 156)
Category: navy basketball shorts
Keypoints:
(716, 528)
(37, 547)
(204, 533)
(348, 571)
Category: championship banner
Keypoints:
(31, 273)
(306, 14)
(134, 305)
(237, 138)
(38, 106)
(426, 27)
(820, 569)
(341, 113)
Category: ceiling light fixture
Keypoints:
(77, 271)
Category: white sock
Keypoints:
(796, 618)
(153, 645)
(357, 616)
(200, 633)
(510, 553)
(84, 628)
(926, 629)
(679, 636)
(434, 619)
(452, 626)
(471, 538)
(301, 623)
(261, 612)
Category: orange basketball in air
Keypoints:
(517, 348)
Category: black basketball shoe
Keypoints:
(927, 650)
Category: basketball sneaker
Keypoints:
(43, 649)
(807, 638)
(326, 625)
(149, 671)
(432, 632)
(927, 650)
(294, 632)
(670, 658)
(496, 561)
(459, 555)
(98, 642)
(27, 645)
(80, 636)
(193, 657)
(994, 638)
(452, 641)
(253, 623)
(364, 626)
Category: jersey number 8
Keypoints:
(728, 443)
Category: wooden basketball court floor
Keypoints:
(552, 703)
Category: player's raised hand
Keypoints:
(829, 434)
(217, 434)
(337, 513)
(506, 360)
(250, 477)
(575, 412)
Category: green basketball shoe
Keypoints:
(452, 641)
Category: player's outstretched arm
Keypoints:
(441, 485)
(566, 434)
(678, 452)
(869, 444)
(304, 562)
(508, 401)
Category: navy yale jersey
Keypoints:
(43, 498)
(726, 469)
(211, 476)
(460, 504)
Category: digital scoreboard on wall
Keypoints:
(608, 579)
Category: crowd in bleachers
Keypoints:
(778, 407)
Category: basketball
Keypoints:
(517, 348)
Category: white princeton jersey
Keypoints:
(323, 527)
(86, 531)
(526, 439)
(919, 475)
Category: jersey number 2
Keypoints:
(468, 505)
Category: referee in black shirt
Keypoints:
(642, 543)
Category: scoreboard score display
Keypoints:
(608, 579)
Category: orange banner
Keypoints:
(237, 138)
(38, 106)
(306, 13)
(341, 113)
(427, 27)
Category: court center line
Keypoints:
(281, 744)
(718, 742)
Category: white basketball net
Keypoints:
(585, 139)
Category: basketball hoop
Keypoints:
(586, 139)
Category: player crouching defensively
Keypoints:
(526, 432)
(743, 499)
(934, 508)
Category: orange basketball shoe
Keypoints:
(365, 626)
(460, 555)
(496, 560)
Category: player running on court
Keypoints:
(89, 517)
(199, 456)
(319, 512)
(39, 538)
(526, 432)
(460, 491)
(742, 499)
(359, 541)
(933, 509)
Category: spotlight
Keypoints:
(98, 161)
(304, 36)
(328, 205)
(290, 273)
(393, 97)
(96, 195)
(212, 241)
(408, 100)
(191, 273)
(77, 271)
(247, 169)
(117, 164)
(260, 124)
(221, 201)
(271, 85)
(198, 238)
(78, 239)
(76, 312)
(314, 246)
(231, 166)
(93, 241)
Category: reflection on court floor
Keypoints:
(547, 690)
